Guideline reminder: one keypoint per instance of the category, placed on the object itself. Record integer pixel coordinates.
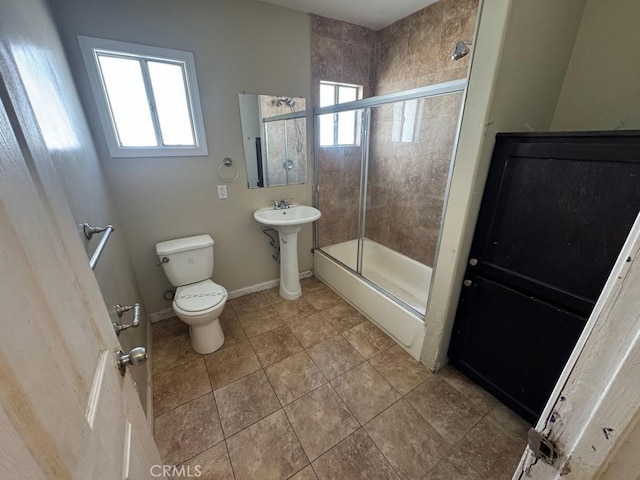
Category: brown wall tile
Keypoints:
(406, 180)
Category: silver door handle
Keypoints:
(137, 356)
(136, 317)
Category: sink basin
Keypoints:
(288, 222)
(294, 216)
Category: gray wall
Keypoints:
(602, 87)
(239, 45)
(75, 161)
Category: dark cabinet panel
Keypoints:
(515, 345)
(554, 215)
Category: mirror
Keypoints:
(274, 135)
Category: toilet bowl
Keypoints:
(198, 301)
(199, 305)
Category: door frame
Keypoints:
(597, 395)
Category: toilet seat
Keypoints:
(196, 298)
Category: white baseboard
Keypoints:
(150, 416)
(241, 292)
(161, 315)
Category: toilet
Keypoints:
(198, 301)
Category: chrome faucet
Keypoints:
(280, 204)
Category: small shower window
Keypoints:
(338, 129)
(147, 98)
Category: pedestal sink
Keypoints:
(288, 222)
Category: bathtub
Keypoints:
(383, 269)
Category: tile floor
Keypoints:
(310, 389)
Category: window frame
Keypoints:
(91, 47)
(336, 116)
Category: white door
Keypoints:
(592, 415)
(65, 410)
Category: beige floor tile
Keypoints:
(482, 399)
(453, 467)
(171, 351)
(407, 440)
(266, 450)
(365, 392)
(244, 402)
(294, 310)
(230, 364)
(322, 299)
(259, 321)
(272, 295)
(343, 317)
(275, 345)
(228, 313)
(312, 330)
(491, 450)
(400, 369)
(310, 284)
(247, 303)
(180, 385)
(187, 430)
(335, 356)
(233, 331)
(213, 464)
(445, 408)
(368, 339)
(171, 327)
(294, 377)
(306, 473)
(320, 420)
(355, 457)
(510, 420)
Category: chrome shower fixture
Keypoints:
(287, 100)
(461, 49)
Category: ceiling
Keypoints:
(374, 14)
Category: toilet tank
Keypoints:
(190, 259)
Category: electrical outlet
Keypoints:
(222, 191)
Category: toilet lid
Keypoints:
(199, 296)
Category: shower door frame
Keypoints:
(365, 105)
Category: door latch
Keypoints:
(136, 356)
(541, 446)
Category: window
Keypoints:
(147, 98)
(407, 118)
(338, 129)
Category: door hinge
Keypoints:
(541, 446)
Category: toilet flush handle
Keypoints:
(163, 260)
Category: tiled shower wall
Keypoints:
(416, 51)
(340, 52)
(407, 180)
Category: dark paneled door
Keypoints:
(555, 213)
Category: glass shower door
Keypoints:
(382, 193)
(339, 156)
(410, 148)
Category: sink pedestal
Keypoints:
(289, 275)
(288, 222)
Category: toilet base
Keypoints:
(206, 338)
